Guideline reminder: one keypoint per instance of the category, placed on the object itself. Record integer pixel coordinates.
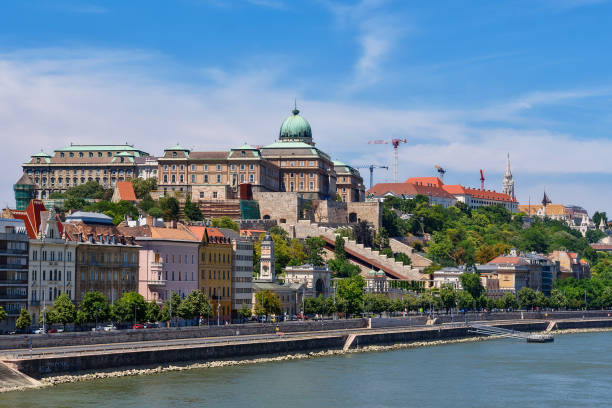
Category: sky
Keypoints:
(464, 82)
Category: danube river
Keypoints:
(574, 371)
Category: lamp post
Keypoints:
(218, 304)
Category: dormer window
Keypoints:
(243, 153)
(71, 154)
(174, 154)
(99, 154)
(61, 154)
(90, 154)
(80, 154)
(109, 154)
(38, 160)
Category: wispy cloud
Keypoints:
(377, 33)
(49, 98)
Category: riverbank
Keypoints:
(52, 380)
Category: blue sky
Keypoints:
(464, 82)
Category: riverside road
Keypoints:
(198, 342)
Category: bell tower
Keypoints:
(266, 269)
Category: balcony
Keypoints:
(156, 283)
(157, 267)
(34, 302)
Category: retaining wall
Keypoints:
(127, 336)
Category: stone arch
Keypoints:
(266, 217)
(319, 287)
(353, 217)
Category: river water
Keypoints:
(574, 371)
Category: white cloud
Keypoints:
(377, 33)
(49, 98)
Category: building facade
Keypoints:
(349, 183)
(52, 256)
(242, 270)
(106, 260)
(77, 164)
(168, 261)
(215, 270)
(13, 270)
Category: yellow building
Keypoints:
(215, 270)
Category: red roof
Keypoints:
(454, 189)
(126, 191)
(513, 260)
(407, 189)
(425, 181)
(32, 218)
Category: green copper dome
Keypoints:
(295, 128)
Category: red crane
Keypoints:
(482, 180)
(395, 143)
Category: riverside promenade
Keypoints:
(56, 359)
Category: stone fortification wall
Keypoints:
(256, 224)
(284, 206)
(127, 336)
(370, 211)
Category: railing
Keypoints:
(156, 282)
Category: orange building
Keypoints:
(215, 270)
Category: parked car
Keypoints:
(52, 330)
(99, 328)
(151, 325)
(110, 327)
(138, 326)
(40, 330)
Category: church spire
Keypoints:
(508, 183)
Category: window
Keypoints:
(311, 175)
(206, 178)
(218, 178)
(292, 164)
(301, 175)
(80, 154)
(71, 154)
(193, 178)
(291, 175)
(206, 167)
(35, 255)
(242, 167)
(312, 163)
(61, 154)
(214, 194)
(174, 178)
(252, 167)
(193, 167)
(174, 167)
(312, 185)
(99, 154)
(182, 178)
(90, 154)
(109, 154)
(242, 178)
(165, 178)
(301, 185)
(218, 167)
(201, 194)
(301, 164)
(251, 178)
(166, 167)
(182, 167)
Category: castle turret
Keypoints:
(24, 192)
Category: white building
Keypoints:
(242, 269)
(316, 280)
(51, 265)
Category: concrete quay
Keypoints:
(53, 361)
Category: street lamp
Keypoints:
(218, 304)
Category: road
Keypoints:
(197, 342)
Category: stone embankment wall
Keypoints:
(127, 336)
(40, 366)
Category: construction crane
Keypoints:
(372, 167)
(395, 143)
(441, 171)
(482, 180)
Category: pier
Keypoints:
(486, 330)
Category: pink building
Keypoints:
(168, 261)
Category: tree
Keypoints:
(541, 300)
(557, 300)
(94, 307)
(24, 320)
(153, 311)
(509, 301)
(267, 303)
(403, 258)
(350, 292)
(142, 188)
(376, 303)
(132, 306)
(339, 251)
(244, 312)
(225, 222)
(170, 208)
(471, 283)
(598, 216)
(448, 296)
(65, 309)
(527, 298)
(594, 235)
(314, 250)
(465, 300)
(3, 314)
(192, 211)
(195, 305)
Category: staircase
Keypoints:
(13, 379)
(397, 270)
(418, 261)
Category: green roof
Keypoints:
(245, 146)
(289, 145)
(83, 148)
(41, 154)
(177, 147)
(295, 126)
(129, 154)
(338, 163)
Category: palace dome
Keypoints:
(295, 128)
